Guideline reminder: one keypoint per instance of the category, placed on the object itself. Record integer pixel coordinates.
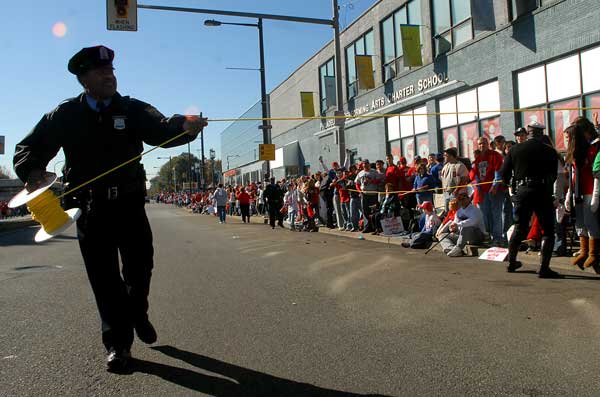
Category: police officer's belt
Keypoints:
(109, 193)
(531, 182)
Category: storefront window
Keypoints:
(408, 149)
(477, 115)
(420, 117)
(450, 136)
(589, 69)
(467, 102)
(393, 128)
(469, 135)
(396, 150)
(561, 119)
(491, 128)
(423, 145)
(411, 127)
(532, 116)
(407, 127)
(488, 97)
(592, 101)
(532, 87)
(563, 78)
(448, 112)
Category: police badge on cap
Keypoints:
(90, 58)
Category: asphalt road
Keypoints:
(243, 310)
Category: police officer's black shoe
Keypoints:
(145, 331)
(549, 273)
(118, 360)
(512, 266)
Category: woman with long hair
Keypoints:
(583, 191)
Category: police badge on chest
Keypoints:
(119, 122)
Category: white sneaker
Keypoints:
(455, 252)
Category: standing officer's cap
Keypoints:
(537, 125)
(520, 130)
(90, 58)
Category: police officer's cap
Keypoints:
(520, 130)
(90, 58)
(536, 125)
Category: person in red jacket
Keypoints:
(244, 198)
(392, 173)
(486, 173)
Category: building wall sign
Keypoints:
(396, 96)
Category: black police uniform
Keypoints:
(273, 196)
(113, 219)
(532, 166)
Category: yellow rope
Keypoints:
(46, 210)
(421, 191)
(382, 115)
(374, 115)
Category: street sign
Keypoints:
(1, 144)
(266, 152)
(121, 15)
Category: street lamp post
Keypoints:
(334, 23)
(265, 127)
(171, 170)
(212, 154)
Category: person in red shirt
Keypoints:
(486, 175)
(405, 184)
(392, 173)
(244, 198)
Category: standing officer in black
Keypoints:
(97, 131)
(274, 198)
(532, 166)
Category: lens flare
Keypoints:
(59, 29)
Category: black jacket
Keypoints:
(94, 143)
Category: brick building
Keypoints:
(479, 57)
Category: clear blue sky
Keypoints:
(173, 61)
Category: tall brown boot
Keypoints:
(583, 252)
(594, 254)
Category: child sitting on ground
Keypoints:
(424, 238)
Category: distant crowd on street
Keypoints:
(439, 197)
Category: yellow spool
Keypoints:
(45, 208)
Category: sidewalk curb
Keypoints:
(529, 259)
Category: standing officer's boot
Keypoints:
(513, 250)
(546, 256)
(594, 254)
(580, 259)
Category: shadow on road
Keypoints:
(566, 276)
(25, 236)
(241, 382)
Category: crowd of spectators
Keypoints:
(441, 197)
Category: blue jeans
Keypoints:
(354, 212)
(346, 216)
(292, 218)
(222, 213)
(491, 207)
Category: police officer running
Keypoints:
(532, 166)
(97, 131)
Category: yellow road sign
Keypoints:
(266, 152)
